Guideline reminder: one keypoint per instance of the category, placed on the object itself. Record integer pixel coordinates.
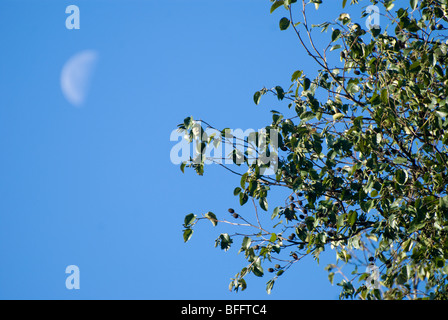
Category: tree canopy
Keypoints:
(360, 152)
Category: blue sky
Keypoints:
(93, 185)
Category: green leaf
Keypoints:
(246, 243)
(264, 203)
(280, 92)
(187, 234)
(384, 96)
(269, 286)
(258, 271)
(389, 5)
(188, 122)
(414, 4)
(307, 115)
(242, 283)
(243, 180)
(306, 84)
(296, 75)
(224, 241)
(369, 185)
(189, 219)
(257, 97)
(438, 70)
(273, 237)
(340, 220)
(309, 221)
(443, 202)
(376, 31)
(284, 23)
(182, 166)
(243, 198)
(407, 245)
(415, 66)
(442, 112)
(212, 217)
(276, 4)
(352, 217)
(399, 160)
(368, 205)
(417, 223)
(275, 212)
(338, 116)
(352, 87)
(401, 176)
(331, 277)
(344, 17)
(335, 47)
(276, 248)
(256, 267)
(335, 35)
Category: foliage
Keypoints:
(363, 158)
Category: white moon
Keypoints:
(76, 75)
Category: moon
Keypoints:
(76, 76)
